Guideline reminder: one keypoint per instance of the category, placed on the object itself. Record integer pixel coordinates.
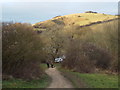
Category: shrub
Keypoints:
(22, 51)
(77, 60)
(103, 38)
(101, 57)
(85, 57)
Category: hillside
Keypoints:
(86, 43)
(79, 20)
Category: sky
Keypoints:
(59, 1)
(38, 10)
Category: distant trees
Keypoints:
(57, 16)
(90, 12)
(54, 42)
(22, 51)
(53, 39)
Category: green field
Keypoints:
(17, 83)
(44, 66)
(81, 80)
(43, 82)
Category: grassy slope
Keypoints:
(80, 80)
(17, 83)
(74, 20)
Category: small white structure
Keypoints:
(58, 59)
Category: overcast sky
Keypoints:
(59, 0)
(27, 11)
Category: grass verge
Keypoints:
(43, 82)
(81, 80)
(43, 66)
(18, 83)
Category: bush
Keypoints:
(101, 57)
(22, 51)
(85, 57)
(76, 58)
(84, 65)
(100, 43)
(105, 37)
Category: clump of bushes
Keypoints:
(57, 16)
(93, 48)
(101, 57)
(85, 57)
(76, 59)
(22, 51)
(90, 12)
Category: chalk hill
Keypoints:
(79, 19)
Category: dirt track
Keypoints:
(58, 81)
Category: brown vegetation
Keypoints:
(87, 48)
(22, 51)
(92, 48)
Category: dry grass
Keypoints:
(77, 19)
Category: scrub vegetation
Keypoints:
(89, 42)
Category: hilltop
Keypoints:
(79, 20)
